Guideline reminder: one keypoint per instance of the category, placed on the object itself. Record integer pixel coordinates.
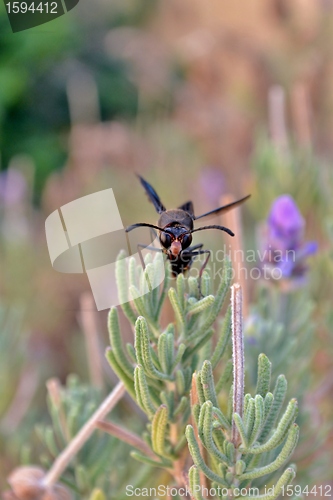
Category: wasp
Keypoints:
(175, 228)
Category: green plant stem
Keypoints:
(125, 435)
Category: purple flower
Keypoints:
(285, 223)
(284, 243)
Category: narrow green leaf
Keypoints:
(221, 419)
(286, 421)
(206, 284)
(264, 375)
(178, 357)
(146, 460)
(201, 305)
(194, 482)
(258, 418)
(198, 460)
(182, 406)
(275, 491)
(283, 456)
(180, 382)
(223, 339)
(208, 435)
(200, 391)
(142, 391)
(97, 494)
(128, 383)
(144, 350)
(202, 342)
(196, 413)
(230, 451)
(269, 398)
(165, 285)
(249, 417)
(131, 352)
(225, 377)
(177, 308)
(279, 395)
(116, 343)
(181, 290)
(162, 352)
(193, 287)
(122, 287)
(240, 467)
(51, 442)
(241, 429)
(159, 430)
(230, 403)
(207, 381)
(216, 307)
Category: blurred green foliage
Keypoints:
(34, 69)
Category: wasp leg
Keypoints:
(145, 247)
(153, 233)
(195, 254)
(195, 247)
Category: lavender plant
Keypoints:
(281, 324)
(165, 372)
(181, 380)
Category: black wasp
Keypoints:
(176, 228)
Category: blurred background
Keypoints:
(203, 99)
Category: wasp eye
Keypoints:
(186, 241)
(165, 240)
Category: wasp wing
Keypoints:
(152, 195)
(188, 207)
(225, 208)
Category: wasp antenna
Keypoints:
(142, 224)
(221, 228)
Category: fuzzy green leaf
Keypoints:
(241, 429)
(207, 427)
(224, 338)
(283, 456)
(264, 375)
(207, 381)
(116, 343)
(142, 392)
(128, 382)
(122, 287)
(286, 421)
(159, 430)
(279, 395)
(194, 481)
(198, 460)
(144, 350)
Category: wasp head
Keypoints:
(175, 239)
